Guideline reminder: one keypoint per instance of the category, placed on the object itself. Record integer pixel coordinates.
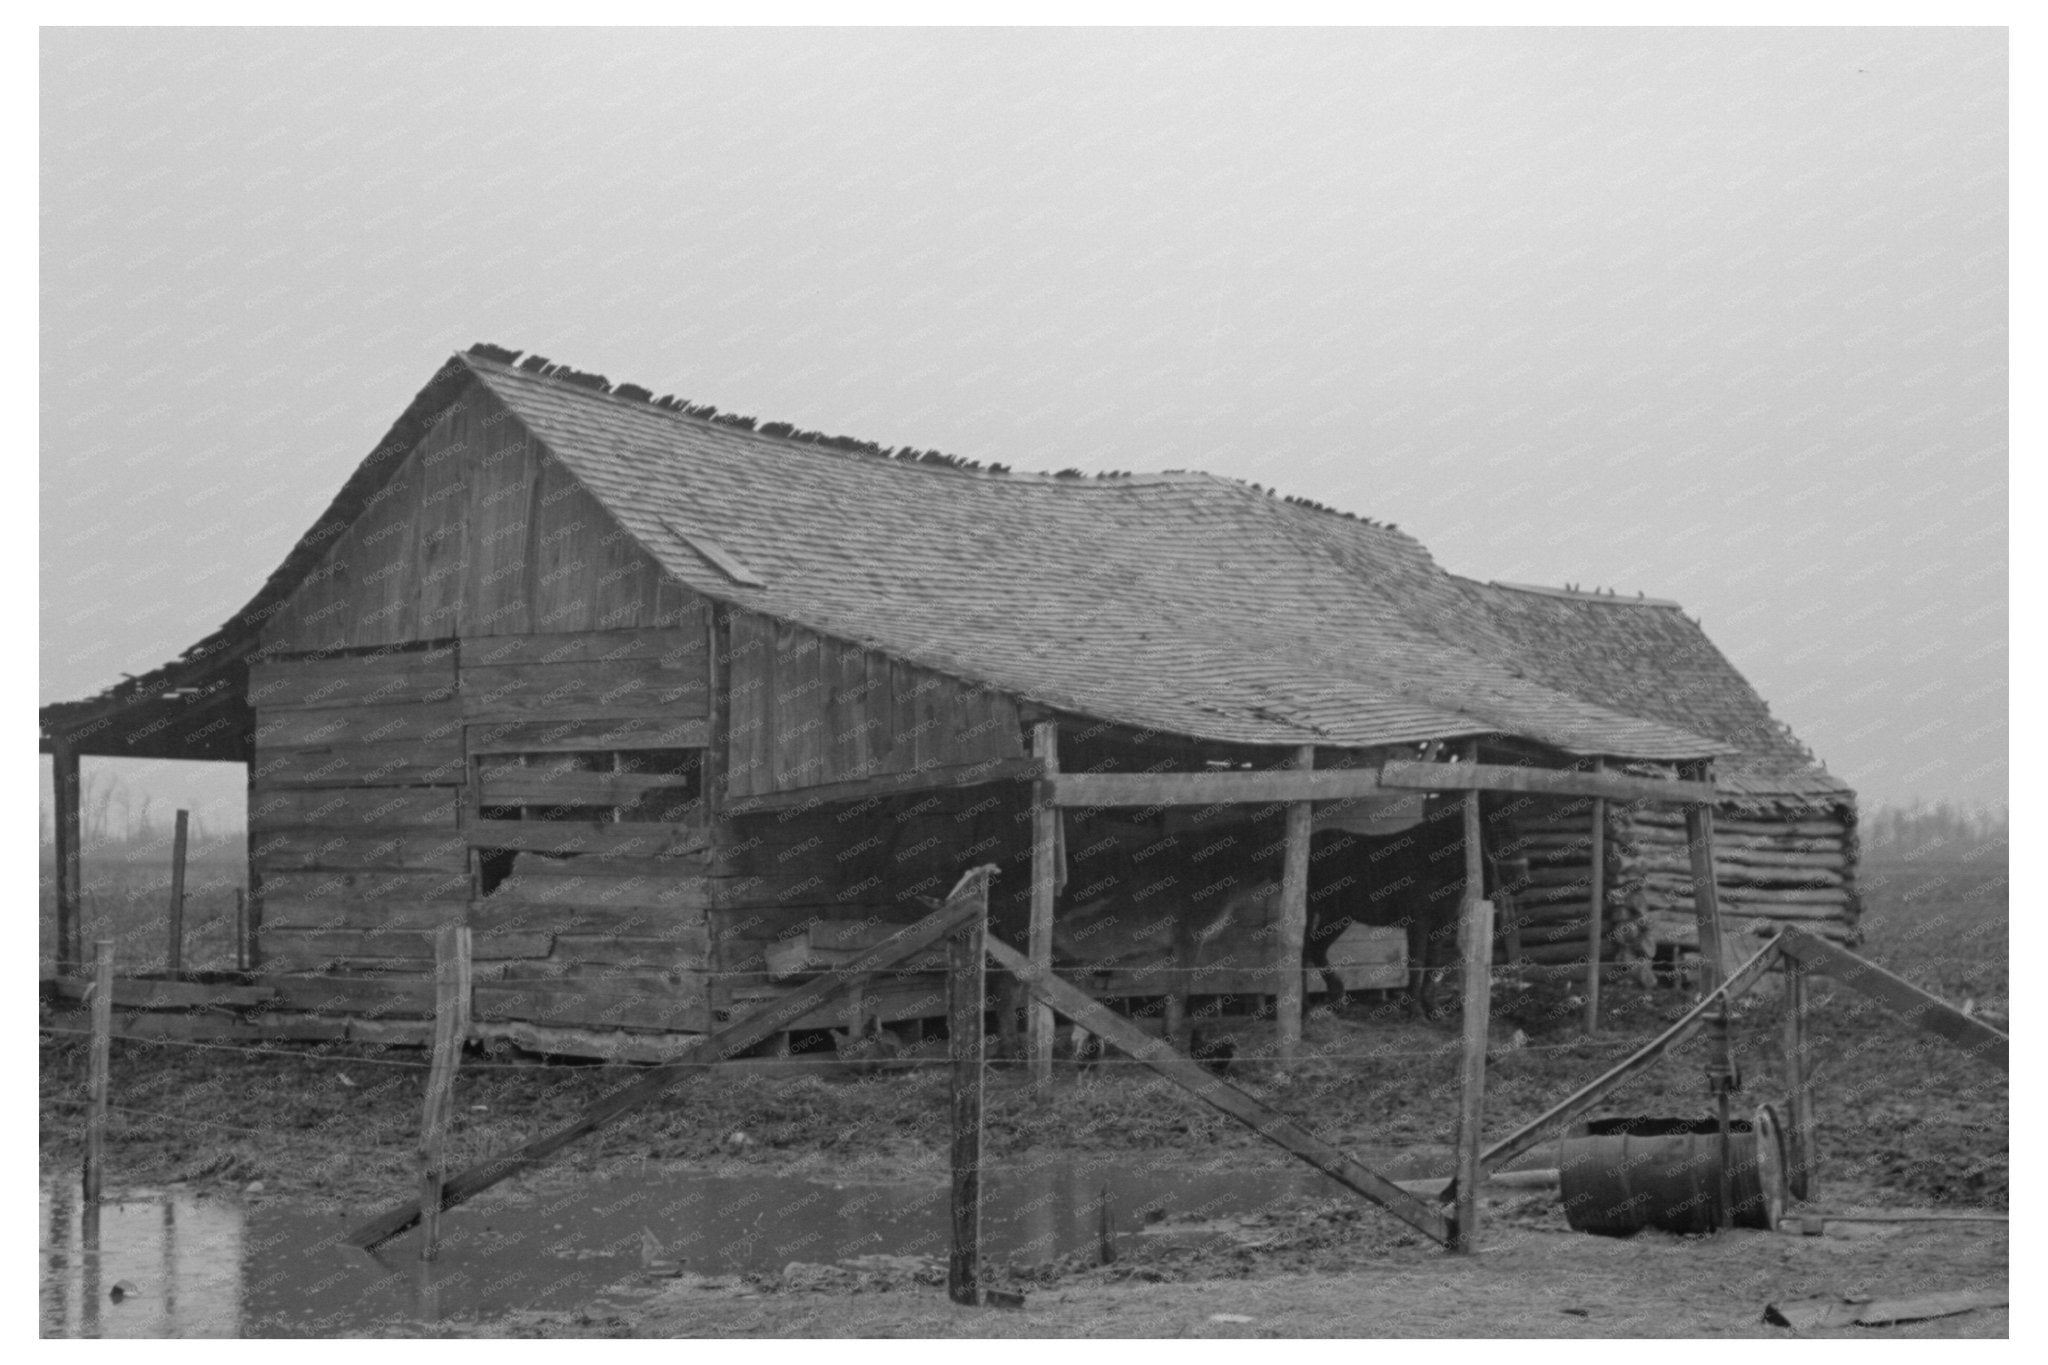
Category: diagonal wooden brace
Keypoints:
(1902, 998)
(1219, 1094)
(967, 900)
(1579, 1101)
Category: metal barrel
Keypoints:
(1619, 1176)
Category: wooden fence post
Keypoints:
(96, 1067)
(1287, 1000)
(1045, 820)
(70, 867)
(967, 901)
(1476, 937)
(966, 1005)
(1799, 1102)
(1596, 922)
(174, 953)
(451, 1026)
(1105, 1227)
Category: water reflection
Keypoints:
(210, 1267)
(176, 1259)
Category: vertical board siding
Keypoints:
(807, 711)
(478, 532)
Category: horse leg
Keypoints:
(1432, 953)
(1337, 988)
(1011, 1001)
(1419, 1002)
(1315, 953)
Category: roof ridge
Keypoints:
(790, 436)
(787, 434)
(1609, 597)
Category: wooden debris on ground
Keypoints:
(1824, 1311)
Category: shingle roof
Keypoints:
(1187, 603)
(1649, 659)
(1184, 603)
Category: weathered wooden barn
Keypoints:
(671, 707)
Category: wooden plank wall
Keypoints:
(624, 898)
(355, 845)
(369, 794)
(368, 791)
(478, 532)
(807, 711)
(515, 617)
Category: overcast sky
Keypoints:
(1715, 315)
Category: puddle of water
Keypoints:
(195, 1266)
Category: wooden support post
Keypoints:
(1596, 921)
(451, 1027)
(966, 1009)
(1287, 1000)
(241, 930)
(174, 947)
(254, 878)
(714, 780)
(1045, 817)
(1706, 901)
(1178, 1029)
(1798, 1092)
(1706, 895)
(1476, 938)
(1722, 1081)
(70, 879)
(96, 1068)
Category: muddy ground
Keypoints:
(1903, 1122)
(1338, 1279)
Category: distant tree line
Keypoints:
(1935, 829)
(119, 820)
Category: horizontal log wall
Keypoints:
(1791, 871)
(807, 711)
